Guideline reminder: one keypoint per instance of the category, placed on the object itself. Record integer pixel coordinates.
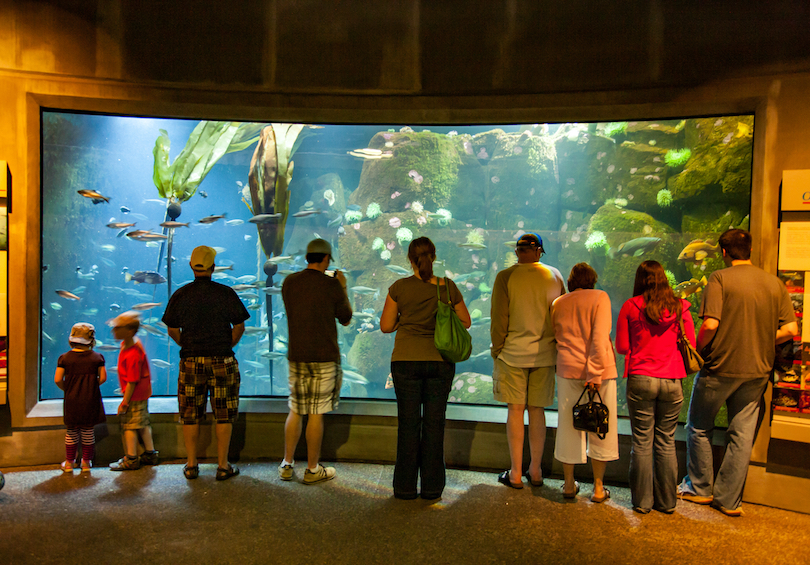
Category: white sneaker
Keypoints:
(321, 474)
(285, 472)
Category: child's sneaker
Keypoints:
(126, 464)
(67, 466)
(285, 472)
(321, 474)
(86, 465)
(149, 457)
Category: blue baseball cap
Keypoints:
(530, 240)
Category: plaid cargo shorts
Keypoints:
(314, 387)
(200, 376)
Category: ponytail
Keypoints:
(422, 253)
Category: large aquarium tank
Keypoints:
(125, 199)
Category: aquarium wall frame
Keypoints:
(529, 109)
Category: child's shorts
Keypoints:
(137, 416)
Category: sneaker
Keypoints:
(694, 498)
(320, 475)
(126, 464)
(67, 466)
(86, 466)
(285, 472)
(735, 513)
(149, 457)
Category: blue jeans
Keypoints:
(654, 406)
(422, 388)
(743, 398)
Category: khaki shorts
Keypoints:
(136, 416)
(533, 386)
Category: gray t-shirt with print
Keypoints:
(751, 305)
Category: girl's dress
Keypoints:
(83, 406)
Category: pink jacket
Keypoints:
(582, 322)
(651, 349)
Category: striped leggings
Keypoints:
(76, 436)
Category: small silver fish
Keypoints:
(67, 294)
(160, 363)
(305, 213)
(211, 219)
(119, 225)
(396, 269)
(265, 219)
(146, 306)
(96, 197)
(173, 224)
(364, 290)
(279, 259)
(234, 222)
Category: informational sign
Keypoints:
(796, 190)
(794, 246)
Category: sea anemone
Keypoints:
(613, 129)
(476, 313)
(353, 216)
(417, 207)
(377, 244)
(329, 196)
(404, 235)
(620, 202)
(475, 236)
(484, 287)
(373, 210)
(394, 222)
(673, 282)
(664, 198)
(446, 216)
(677, 157)
(385, 255)
(596, 240)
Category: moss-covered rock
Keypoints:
(424, 167)
(371, 355)
(722, 154)
(622, 226)
(472, 388)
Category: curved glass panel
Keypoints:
(611, 194)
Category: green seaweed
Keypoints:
(205, 146)
(612, 129)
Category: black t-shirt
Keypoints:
(205, 311)
(313, 300)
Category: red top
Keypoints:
(651, 349)
(133, 367)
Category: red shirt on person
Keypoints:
(133, 367)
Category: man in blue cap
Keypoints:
(525, 352)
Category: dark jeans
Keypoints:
(654, 406)
(422, 388)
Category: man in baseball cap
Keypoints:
(525, 352)
(207, 319)
(202, 258)
(313, 301)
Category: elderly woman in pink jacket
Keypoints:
(585, 358)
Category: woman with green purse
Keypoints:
(422, 377)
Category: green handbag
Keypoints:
(451, 337)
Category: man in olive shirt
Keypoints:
(745, 312)
(313, 301)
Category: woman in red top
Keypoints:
(647, 334)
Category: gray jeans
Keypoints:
(654, 405)
(743, 398)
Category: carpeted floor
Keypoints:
(155, 515)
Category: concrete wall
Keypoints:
(400, 61)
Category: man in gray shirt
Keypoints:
(313, 301)
(746, 312)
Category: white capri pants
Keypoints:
(571, 446)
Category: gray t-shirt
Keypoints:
(751, 305)
(417, 303)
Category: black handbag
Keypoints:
(692, 361)
(591, 416)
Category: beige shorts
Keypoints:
(136, 416)
(533, 386)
